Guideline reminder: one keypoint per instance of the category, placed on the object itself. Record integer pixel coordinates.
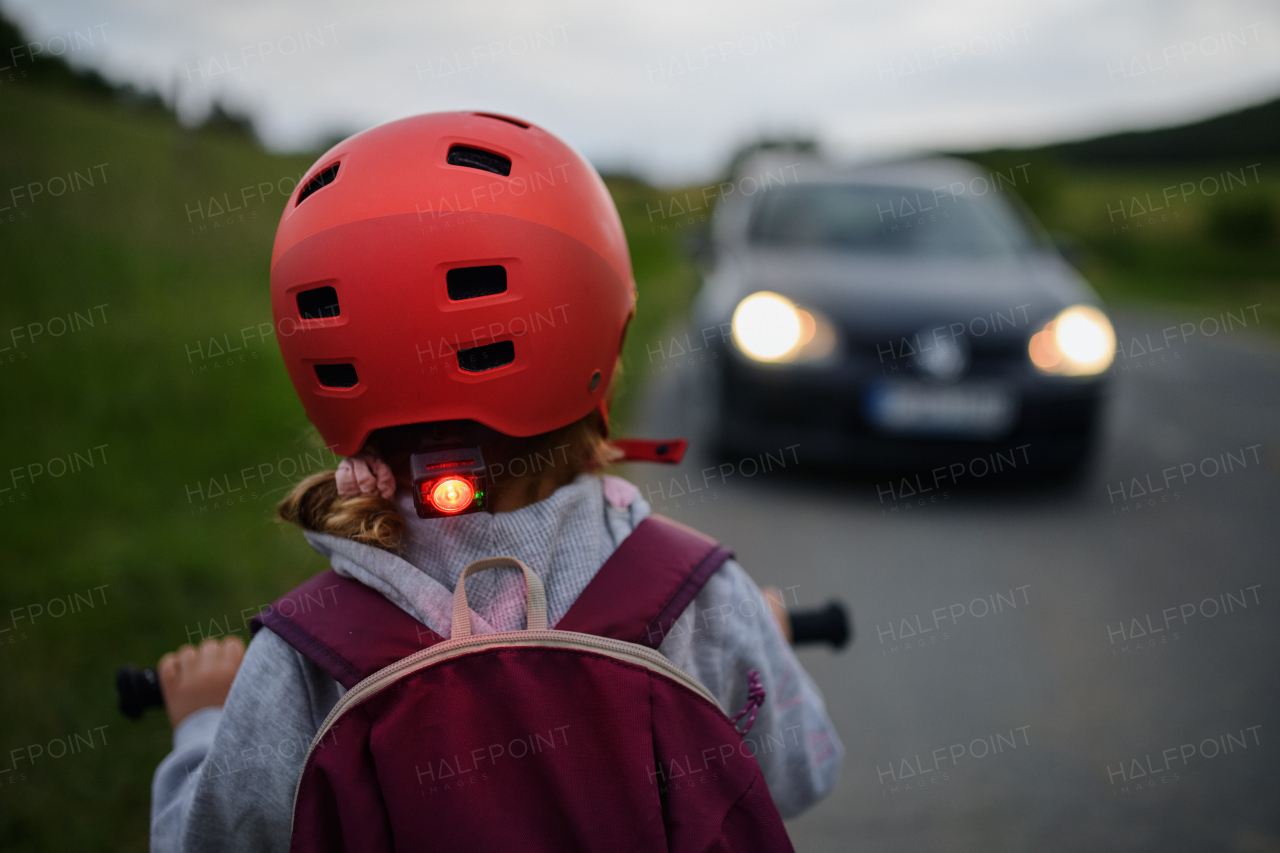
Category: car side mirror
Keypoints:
(1069, 248)
(700, 246)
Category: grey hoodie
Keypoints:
(230, 780)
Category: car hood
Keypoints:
(879, 293)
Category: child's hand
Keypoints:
(192, 678)
(364, 475)
(777, 604)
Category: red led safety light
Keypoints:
(450, 481)
(451, 494)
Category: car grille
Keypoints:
(997, 357)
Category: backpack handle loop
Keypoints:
(537, 600)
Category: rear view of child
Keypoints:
(459, 287)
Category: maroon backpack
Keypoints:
(582, 737)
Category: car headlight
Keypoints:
(1078, 342)
(772, 328)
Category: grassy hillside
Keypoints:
(1252, 133)
(1185, 217)
(1194, 251)
(110, 294)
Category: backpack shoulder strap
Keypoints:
(351, 631)
(344, 627)
(646, 583)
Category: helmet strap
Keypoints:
(603, 408)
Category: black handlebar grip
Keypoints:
(138, 689)
(829, 624)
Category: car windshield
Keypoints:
(899, 220)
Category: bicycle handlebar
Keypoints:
(829, 624)
(139, 689)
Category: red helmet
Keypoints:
(445, 267)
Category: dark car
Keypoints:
(900, 316)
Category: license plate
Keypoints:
(969, 411)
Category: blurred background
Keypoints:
(1101, 617)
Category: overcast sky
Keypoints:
(669, 89)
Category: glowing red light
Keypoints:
(452, 494)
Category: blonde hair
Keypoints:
(314, 504)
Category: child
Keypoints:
(460, 287)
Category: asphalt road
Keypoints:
(1086, 669)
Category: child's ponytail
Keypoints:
(314, 504)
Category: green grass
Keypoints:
(170, 419)
(666, 282)
(1195, 253)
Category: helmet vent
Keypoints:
(320, 181)
(475, 158)
(471, 282)
(337, 375)
(487, 357)
(507, 119)
(318, 303)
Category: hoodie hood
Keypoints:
(564, 540)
